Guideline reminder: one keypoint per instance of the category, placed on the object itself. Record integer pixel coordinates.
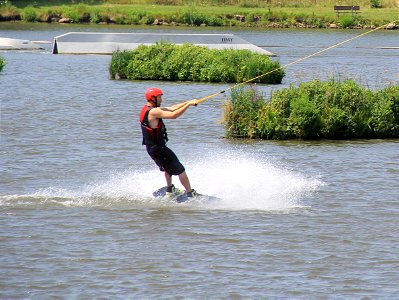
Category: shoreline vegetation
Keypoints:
(241, 13)
(165, 61)
(313, 110)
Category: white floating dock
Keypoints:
(16, 44)
(107, 43)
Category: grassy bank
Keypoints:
(164, 61)
(304, 13)
(314, 110)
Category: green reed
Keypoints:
(314, 110)
(2, 63)
(165, 61)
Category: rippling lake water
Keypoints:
(297, 219)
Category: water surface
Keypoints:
(297, 219)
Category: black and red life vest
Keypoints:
(152, 136)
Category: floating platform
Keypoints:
(16, 44)
(107, 43)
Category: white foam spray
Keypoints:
(245, 183)
(241, 180)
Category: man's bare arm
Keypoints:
(168, 113)
(177, 106)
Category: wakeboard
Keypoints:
(161, 192)
(197, 198)
(180, 196)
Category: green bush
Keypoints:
(119, 63)
(2, 63)
(267, 123)
(385, 113)
(304, 120)
(375, 4)
(347, 22)
(80, 13)
(316, 109)
(29, 14)
(165, 61)
(135, 17)
(242, 111)
(336, 124)
(196, 18)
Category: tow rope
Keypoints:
(291, 63)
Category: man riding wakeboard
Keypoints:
(155, 137)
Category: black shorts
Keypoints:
(166, 160)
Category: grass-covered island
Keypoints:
(165, 61)
(314, 110)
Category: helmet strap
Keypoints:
(154, 101)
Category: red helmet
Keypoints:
(150, 92)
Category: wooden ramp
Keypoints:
(107, 43)
(16, 44)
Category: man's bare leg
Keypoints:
(184, 181)
(168, 179)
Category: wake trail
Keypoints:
(240, 180)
